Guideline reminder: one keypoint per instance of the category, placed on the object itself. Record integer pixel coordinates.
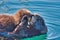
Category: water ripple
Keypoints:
(48, 10)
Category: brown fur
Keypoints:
(8, 22)
(19, 14)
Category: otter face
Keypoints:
(37, 22)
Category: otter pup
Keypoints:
(9, 22)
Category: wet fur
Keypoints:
(8, 22)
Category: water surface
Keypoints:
(49, 10)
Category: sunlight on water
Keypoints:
(48, 10)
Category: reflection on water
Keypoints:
(48, 10)
(40, 37)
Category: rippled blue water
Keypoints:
(48, 9)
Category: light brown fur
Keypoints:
(19, 14)
(8, 22)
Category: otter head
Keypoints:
(38, 23)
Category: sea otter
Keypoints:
(23, 24)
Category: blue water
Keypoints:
(48, 9)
